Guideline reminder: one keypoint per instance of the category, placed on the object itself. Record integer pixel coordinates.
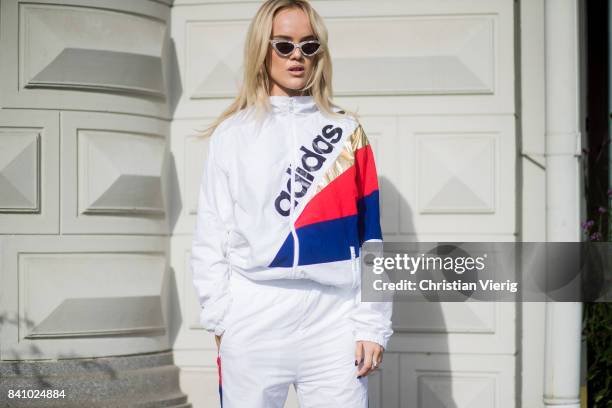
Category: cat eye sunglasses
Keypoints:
(284, 48)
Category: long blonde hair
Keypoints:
(256, 80)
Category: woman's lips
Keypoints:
(296, 70)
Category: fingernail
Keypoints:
(355, 362)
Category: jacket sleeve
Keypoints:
(209, 265)
(372, 320)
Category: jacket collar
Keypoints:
(300, 104)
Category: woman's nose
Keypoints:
(297, 53)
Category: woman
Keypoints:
(288, 196)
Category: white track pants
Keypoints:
(284, 332)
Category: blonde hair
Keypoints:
(256, 80)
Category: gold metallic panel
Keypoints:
(345, 159)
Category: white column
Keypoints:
(563, 320)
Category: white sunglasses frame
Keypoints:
(296, 45)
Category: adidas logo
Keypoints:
(311, 161)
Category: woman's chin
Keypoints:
(295, 84)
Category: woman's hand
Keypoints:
(368, 356)
(218, 340)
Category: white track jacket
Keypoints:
(293, 196)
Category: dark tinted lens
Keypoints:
(284, 47)
(310, 48)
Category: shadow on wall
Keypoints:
(416, 366)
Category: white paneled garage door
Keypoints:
(434, 82)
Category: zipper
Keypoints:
(228, 250)
(296, 245)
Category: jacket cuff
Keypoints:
(219, 330)
(370, 336)
(212, 318)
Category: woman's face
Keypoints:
(291, 24)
